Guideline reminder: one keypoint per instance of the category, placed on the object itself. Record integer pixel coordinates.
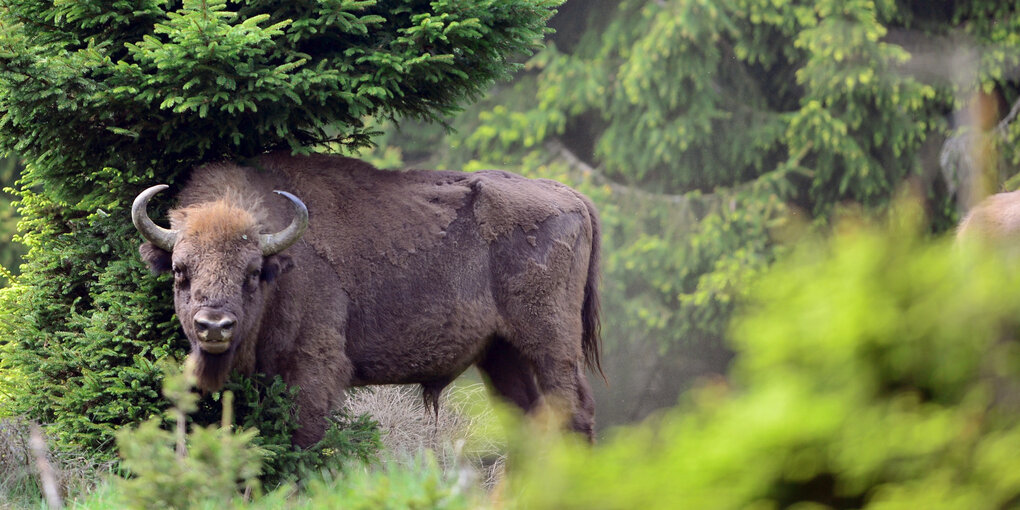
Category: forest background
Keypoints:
(709, 133)
(714, 136)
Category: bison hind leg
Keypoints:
(515, 378)
(583, 420)
(510, 375)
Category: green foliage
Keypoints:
(153, 87)
(173, 469)
(875, 370)
(211, 466)
(11, 251)
(102, 99)
(219, 466)
(390, 486)
(267, 405)
(86, 371)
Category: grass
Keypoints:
(462, 436)
(77, 475)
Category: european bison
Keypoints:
(401, 277)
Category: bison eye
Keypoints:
(180, 274)
(254, 276)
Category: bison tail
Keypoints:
(591, 337)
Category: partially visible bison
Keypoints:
(995, 220)
(386, 277)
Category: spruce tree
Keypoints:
(105, 98)
(10, 250)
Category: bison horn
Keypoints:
(158, 236)
(275, 243)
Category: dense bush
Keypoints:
(267, 406)
(102, 99)
(179, 467)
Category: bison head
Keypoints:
(223, 270)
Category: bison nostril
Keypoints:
(214, 326)
(226, 324)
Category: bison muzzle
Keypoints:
(383, 277)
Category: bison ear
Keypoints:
(275, 265)
(158, 259)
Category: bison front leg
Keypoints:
(322, 378)
(312, 422)
(320, 392)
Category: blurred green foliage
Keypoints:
(103, 99)
(875, 370)
(391, 485)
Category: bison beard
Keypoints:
(401, 277)
(211, 370)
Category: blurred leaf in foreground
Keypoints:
(876, 369)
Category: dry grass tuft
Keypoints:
(462, 438)
(76, 474)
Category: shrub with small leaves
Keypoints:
(175, 468)
(267, 405)
(218, 466)
(394, 485)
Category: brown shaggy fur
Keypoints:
(215, 222)
(401, 277)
